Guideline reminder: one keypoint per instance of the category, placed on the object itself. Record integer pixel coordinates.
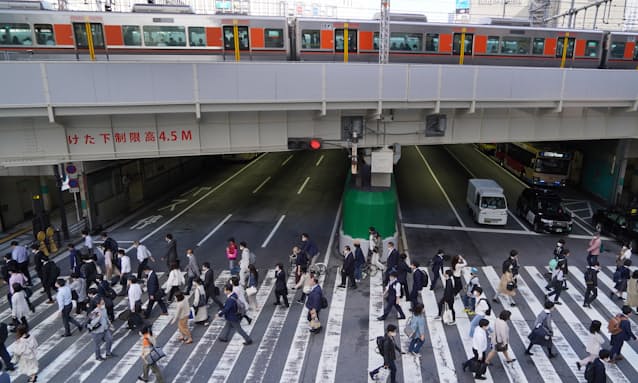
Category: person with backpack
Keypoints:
(100, 328)
(4, 354)
(595, 370)
(620, 329)
(620, 278)
(419, 281)
(106, 292)
(417, 325)
(181, 317)
(480, 345)
(314, 304)
(391, 294)
(469, 300)
(591, 284)
(448, 297)
(483, 309)
(593, 345)
(88, 270)
(437, 267)
(233, 314)
(240, 292)
(50, 273)
(542, 331)
(388, 351)
(593, 249)
(556, 283)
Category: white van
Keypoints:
(486, 202)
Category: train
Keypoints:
(152, 32)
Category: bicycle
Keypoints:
(369, 270)
(318, 269)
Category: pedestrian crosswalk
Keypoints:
(284, 350)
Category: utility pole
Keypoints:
(505, 2)
(384, 32)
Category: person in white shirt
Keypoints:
(125, 269)
(88, 241)
(174, 281)
(243, 263)
(481, 309)
(625, 254)
(594, 343)
(143, 255)
(480, 345)
(134, 295)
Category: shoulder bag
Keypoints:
(156, 353)
(408, 330)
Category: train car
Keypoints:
(174, 35)
(421, 42)
(622, 50)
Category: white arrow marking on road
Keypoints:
(173, 204)
(281, 219)
(214, 230)
(142, 223)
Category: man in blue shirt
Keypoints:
(20, 254)
(65, 306)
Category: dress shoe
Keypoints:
(551, 356)
(342, 286)
(578, 365)
(248, 342)
(373, 376)
(480, 377)
(111, 355)
(142, 379)
(100, 359)
(528, 353)
(65, 335)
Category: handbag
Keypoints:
(510, 286)
(156, 353)
(500, 347)
(408, 330)
(250, 291)
(447, 315)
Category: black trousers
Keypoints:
(591, 259)
(388, 307)
(450, 306)
(282, 294)
(24, 269)
(67, 319)
(140, 268)
(151, 303)
(414, 298)
(348, 274)
(591, 292)
(436, 275)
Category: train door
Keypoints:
(467, 46)
(85, 43)
(569, 52)
(243, 42)
(339, 44)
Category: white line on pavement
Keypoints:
(287, 159)
(427, 165)
(375, 327)
(327, 368)
(411, 364)
(303, 185)
(261, 184)
(274, 230)
(214, 230)
(319, 160)
(487, 230)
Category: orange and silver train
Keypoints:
(175, 33)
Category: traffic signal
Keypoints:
(304, 143)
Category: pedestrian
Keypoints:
(134, 295)
(212, 291)
(17, 277)
(155, 293)
(281, 289)
(74, 258)
(192, 270)
(143, 256)
(65, 306)
(170, 256)
(593, 250)
(9, 264)
(501, 338)
(109, 242)
(620, 278)
(458, 263)
(620, 329)
(108, 264)
(301, 261)
(200, 313)
(244, 261)
(251, 290)
(506, 290)
(4, 354)
(240, 293)
(125, 269)
(314, 305)
(100, 259)
(309, 247)
(50, 274)
(38, 260)
(469, 300)
(591, 284)
(593, 344)
(391, 294)
(480, 342)
(305, 283)
(419, 281)
(20, 254)
(19, 306)
(25, 353)
(402, 274)
(598, 374)
(542, 332)
(392, 263)
(625, 254)
(106, 292)
(359, 261)
(148, 342)
(482, 309)
(437, 267)
(232, 313)
(511, 263)
(88, 243)
(556, 283)
(376, 244)
(88, 270)
(448, 296)
(347, 269)
(417, 324)
(389, 354)
(632, 290)
(100, 327)
(231, 254)
(181, 317)
(78, 291)
(174, 281)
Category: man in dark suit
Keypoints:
(281, 289)
(171, 251)
(391, 294)
(212, 291)
(599, 375)
(313, 303)
(347, 271)
(392, 262)
(154, 292)
(419, 281)
(437, 267)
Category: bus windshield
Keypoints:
(552, 165)
(493, 203)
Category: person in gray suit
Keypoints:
(192, 270)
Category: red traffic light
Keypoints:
(315, 144)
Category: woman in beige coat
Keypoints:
(181, 316)
(632, 290)
(25, 353)
(503, 292)
(501, 337)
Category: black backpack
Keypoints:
(589, 276)
(380, 342)
(589, 372)
(112, 245)
(426, 279)
(488, 312)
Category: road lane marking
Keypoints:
(319, 161)
(303, 185)
(274, 230)
(261, 185)
(427, 165)
(375, 327)
(214, 230)
(327, 368)
(287, 159)
(411, 364)
(486, 230)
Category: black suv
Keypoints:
(622, 225)
(544, 210)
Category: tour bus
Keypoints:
(538, 164)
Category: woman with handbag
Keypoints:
(199, 303)
(506, 289)
(251, 290)
(148, 343)
(415, 329)
(542, 332)
(181, 316)
(501, 337)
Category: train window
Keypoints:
(132, 35)
(570, 47)
(352, 40)
(636, 51)
(375, 41)
(513, 45)
(431, 42)
(310, 39)
(81, 41)
(538, 46)
(197, 36)
(456, 44)
(274, 38)
(492, 44)
(617, 50)
(591, 49)
(15, 34)
(400, 41)
(164, 35)
(44, 34)
(229, 38)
